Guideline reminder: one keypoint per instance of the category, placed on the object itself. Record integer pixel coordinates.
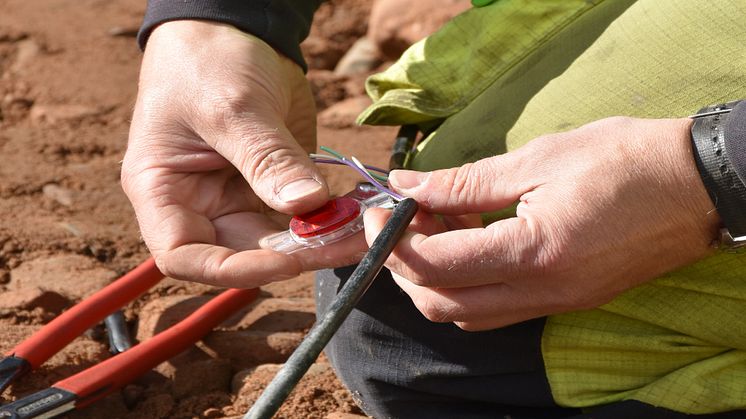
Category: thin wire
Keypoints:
(337, 158)
(372, 180)
(342, 157)
(332, 152)
(323, 158)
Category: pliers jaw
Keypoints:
(12, 367)
(43, 404)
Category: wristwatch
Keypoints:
(710, 139)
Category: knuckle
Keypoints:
(432, 310)
(420, 271)
(265, 160)
(617, 120)
(162, 262)
(464, 184)
(469, 326)
(220, 114)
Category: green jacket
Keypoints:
(496, 77)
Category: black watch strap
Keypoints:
(725, 187)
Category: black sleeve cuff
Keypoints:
(719, 137)
(735, 140)
(283, 24)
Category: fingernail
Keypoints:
(299, 189)
(407, 179)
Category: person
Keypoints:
(599, 295)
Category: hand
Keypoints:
(222, 125)
(601, 209)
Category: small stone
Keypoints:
(27, 50)
(58, 194)
(275, 315)
(79, 351)
(394, 25)
(212, 413)
(72, 276)
(245, 347)
(327, 87)
(63, 113)
(31, 298)
(321, 53)
(343, 114)
(318, 368)
(362, 57)
(260, 375)
(162, 313)
(123, 31)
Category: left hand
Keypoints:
(602, 208)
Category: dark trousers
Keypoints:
(397, 364)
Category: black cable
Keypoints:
(308, 350)
(119, 335)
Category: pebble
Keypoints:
(58, 194)
(264, 372)
(212, 413)
(275, 315)
(123, 31)
(362, 57)
(72, 276)
(343, 114)
(27, 51)
(246, 347)
(394, 25)
(31, 298)
(62, 113)
(326, 86)
(162, 313)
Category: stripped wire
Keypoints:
(385, 173)
(366, 171)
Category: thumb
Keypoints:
(486, 185)
(276, 167)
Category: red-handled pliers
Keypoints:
(100, 380)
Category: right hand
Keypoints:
(220, 134)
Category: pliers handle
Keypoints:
(55, 335)
(100, 380)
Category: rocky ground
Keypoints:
(68, 74)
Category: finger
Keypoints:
(485, 185)
(342, 253)
(185, 243)
(460, 222)
(477, 308)
(220, 266)
(503, 251)
(243, 230)
(272, 162)
(424, 223)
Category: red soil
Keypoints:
(68, 73)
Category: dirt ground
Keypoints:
(68, 78)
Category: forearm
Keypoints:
(283, 24)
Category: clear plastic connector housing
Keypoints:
(338, 219)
